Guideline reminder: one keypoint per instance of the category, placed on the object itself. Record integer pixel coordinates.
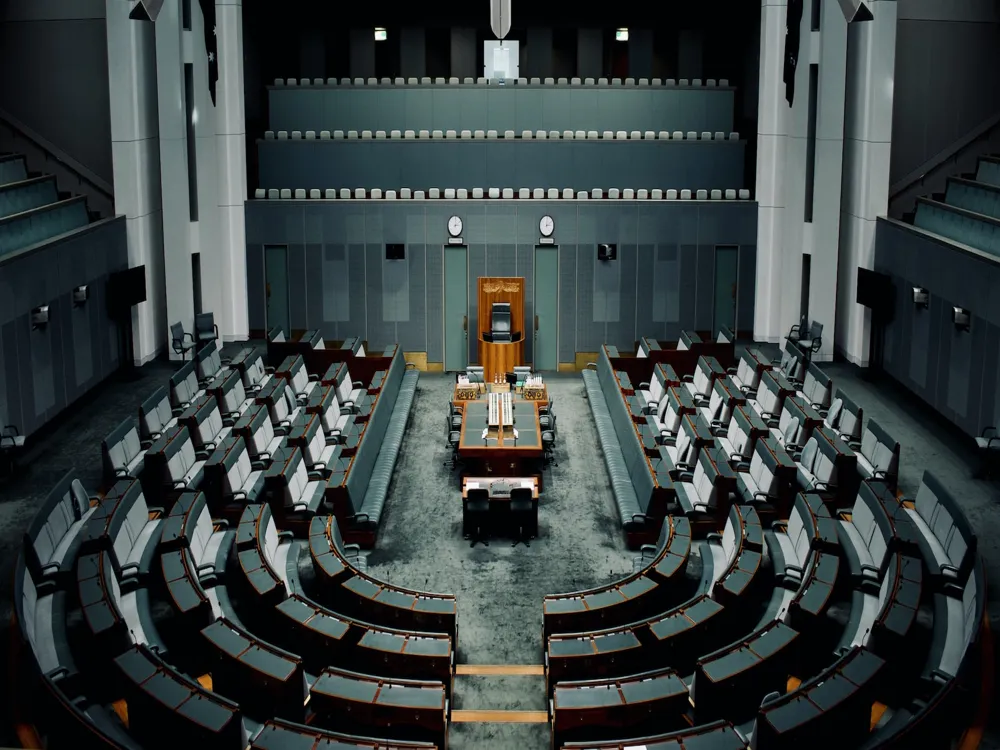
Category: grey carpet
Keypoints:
(500, 588)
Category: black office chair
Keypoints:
(545, 417)
(475, 516)
(523, 516)
(455, 416)
(808, 341)
(181, 341)
(454, 437)
(500, 322)
(549, 444)
(205, 328)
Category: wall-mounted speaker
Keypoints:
(146, 10)
(961, 318)
(395, 251)
(607, 252)
(921, 298)
(80, 295)
(40, 317)
(500, 18)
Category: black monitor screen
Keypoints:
(395, 252)
(873, 288)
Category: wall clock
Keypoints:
(546, 226)
(455, 226)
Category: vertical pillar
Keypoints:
(589, 53)
(771, 137)
(690, 45)
(362, 43)
(867, 146)
(539, 53)
(230, 138)
(173, 167)
(822, 234)
(463, 53)
(312, 52)
(640, 53)
(136, 165)
(413, 53)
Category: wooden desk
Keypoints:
(472, 483)
(500, 447)
(499, 358)
(535, 393)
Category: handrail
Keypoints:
(924, 170)
(59, 155)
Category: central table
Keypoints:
(499, 449)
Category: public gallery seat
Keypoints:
(155, 416)
(123, 453)
(257, 431)
(53, 537)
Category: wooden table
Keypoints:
(472, 483)
(500, 453)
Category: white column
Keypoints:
(230, 128)
(771, 138)
(136, 163)
(205, 231)
(827, 48)
(173, 167)
(867, 146)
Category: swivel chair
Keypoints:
(523, 516)
(475, 516)
(549, 443)
(500, 322)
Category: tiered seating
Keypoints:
(184, 387)
(232, 479)
(878, 454)
(113, 572)
(388, 164)
(250, 365)
(342, 584)
(706, 489)
(26, 194)
(718, 412)
(835, 703)
(156, 416)
(191, 713)
(258, 434)
(205, 424)
(194, 550)
(591, 709)
(300, 489)
(54, 534)
(632, 478)
(173, 465)
(230, 395)
(826, 463)
(845, 418)
(699, 385)
(122, 453)
(37, 225)
(277, 733)
(519, 105)
(507, 193)
(408, 707)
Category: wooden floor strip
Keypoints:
(500, 717)
(500, 669)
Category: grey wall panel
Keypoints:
(524, 266)
(705, 304)
(640, 53)
(689, 283)
(501, 238)
(514, 108)
(581, 165)
(477, 268)
(943, 86)
(463, 53)
(47, 369)
(955, 372)
(298, 316)
(589, 53)
(54, 79)
(746, 287)
(537, 53)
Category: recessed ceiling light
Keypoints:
(621, 35)
(380, 34)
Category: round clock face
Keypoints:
(546, 226)
(455, 226)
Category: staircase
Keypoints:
(43, 157)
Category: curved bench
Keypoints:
(329, 638)
(277, 734)
(591, 709)
(400, 709)
(731, 682)
(167, 708)
(632, 518)
(719, 735)
(342, 584)
(266, 680)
